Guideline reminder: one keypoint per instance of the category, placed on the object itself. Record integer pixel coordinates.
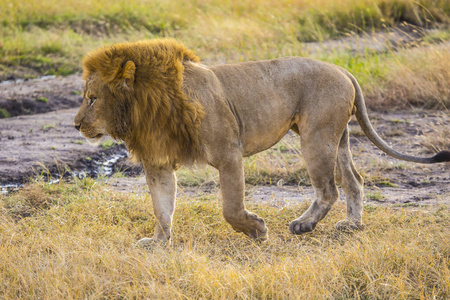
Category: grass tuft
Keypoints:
(4, 113)
(106, 144)
(42, 99)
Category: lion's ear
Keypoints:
(127, 74)
(128, 70)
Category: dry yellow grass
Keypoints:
(418, 76)
(77, 241)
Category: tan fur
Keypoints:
(170, 109)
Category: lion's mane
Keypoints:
(157, 121)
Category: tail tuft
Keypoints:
(441, 157)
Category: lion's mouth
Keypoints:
(96, 138)
(92, 139)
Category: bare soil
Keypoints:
(42, 95)
(40, 139)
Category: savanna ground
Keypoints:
(75, 238)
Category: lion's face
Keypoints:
(91, 119)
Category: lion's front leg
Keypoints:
(163, 187)
(232, 187)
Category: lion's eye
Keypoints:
(92, 100)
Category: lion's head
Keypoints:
(94, 113)
(133, 93)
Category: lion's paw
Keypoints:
(261, 232)
(300, 226)
(347, 225)
(253, 226)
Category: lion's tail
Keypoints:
(366, 126)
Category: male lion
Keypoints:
(171, 110)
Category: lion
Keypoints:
(172, 110)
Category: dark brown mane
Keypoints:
(157, 121)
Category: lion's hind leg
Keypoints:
(352, 184)
(319, 148)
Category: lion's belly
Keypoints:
(255, 144)
(262, 129)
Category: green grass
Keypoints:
(313, 19)
(47, 127)
(4, 113)
(42, 99)
(77, 241)
(106, 144)
(375, 195)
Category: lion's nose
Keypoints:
(77, 127)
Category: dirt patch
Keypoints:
(48, 143)
(36, 96)
(407, 194)
(39, 138)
